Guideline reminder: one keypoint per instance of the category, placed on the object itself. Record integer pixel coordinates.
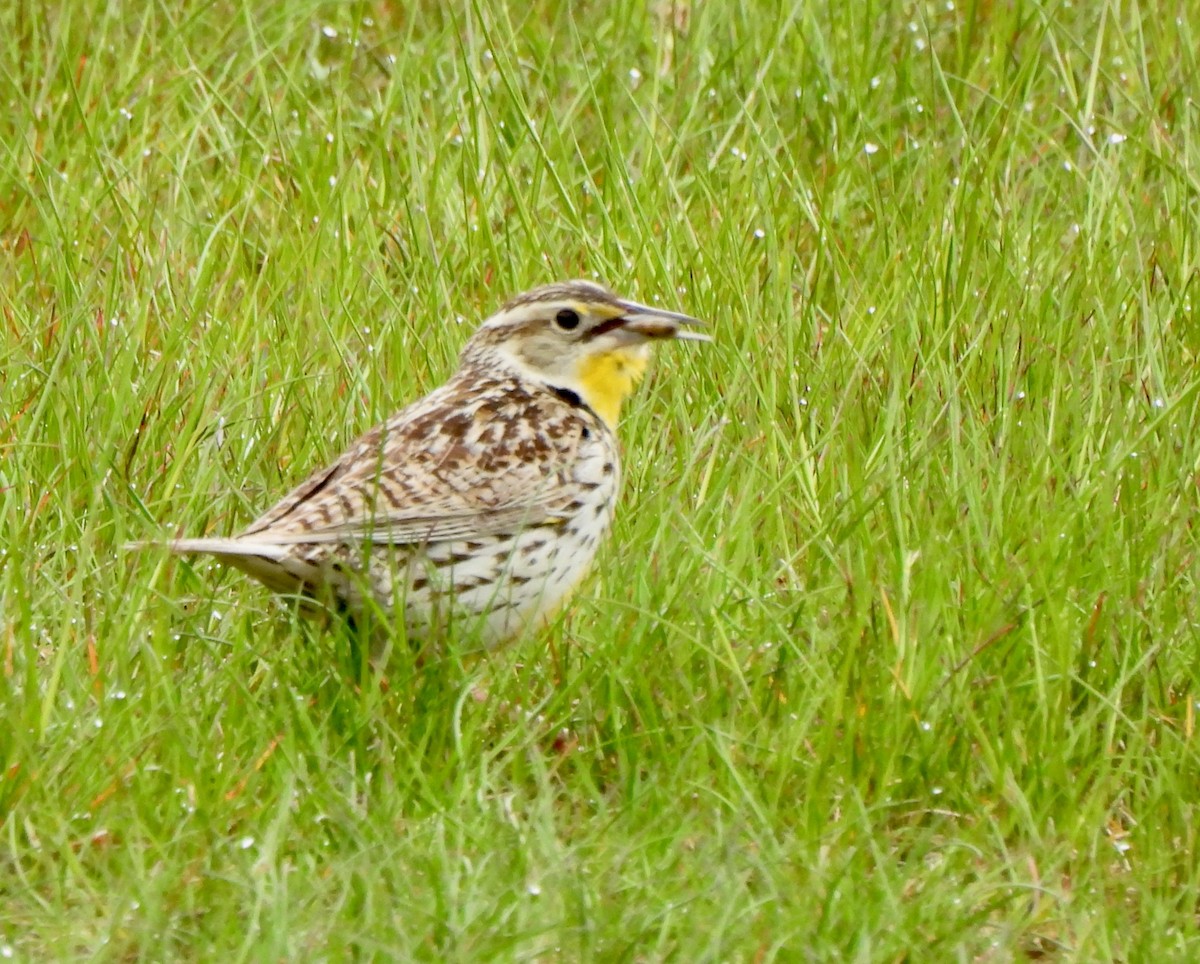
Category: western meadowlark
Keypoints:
(484, 502)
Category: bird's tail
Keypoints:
(271, 563)
(221, 548)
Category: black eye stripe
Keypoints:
(604, 327)
(567, 319)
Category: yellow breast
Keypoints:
(607, 379)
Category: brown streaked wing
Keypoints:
(469, 459)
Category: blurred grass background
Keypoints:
(893, 650)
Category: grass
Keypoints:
(893, 650)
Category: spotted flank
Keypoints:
(484, 502)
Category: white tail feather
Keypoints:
(230, 547)
(268, 562)
(219, 547)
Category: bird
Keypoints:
(480, 507)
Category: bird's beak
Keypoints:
(656, 323)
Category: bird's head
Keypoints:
(579, 336)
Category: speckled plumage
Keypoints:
(485, 501)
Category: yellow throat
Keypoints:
(607, 379)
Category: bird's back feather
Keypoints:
(482, 454)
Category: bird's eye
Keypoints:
(567, 319)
